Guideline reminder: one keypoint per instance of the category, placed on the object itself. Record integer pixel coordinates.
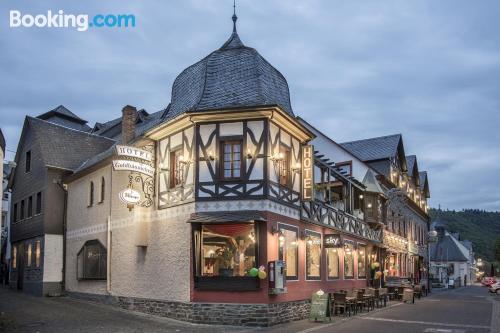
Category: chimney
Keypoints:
(129, 117)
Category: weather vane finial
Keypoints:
(234, 16)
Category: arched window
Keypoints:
(91, 261)
(91, 194)
(103, 188)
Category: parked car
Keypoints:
(495, 288)
(488, 281)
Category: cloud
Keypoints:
(427, 69)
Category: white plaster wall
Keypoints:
(160, 270)
(336, 153)
(53, 258)
(86, 223)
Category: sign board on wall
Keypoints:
(134, 152)
(332, 240)
(129, 196)
(307, 172)
(127, 165)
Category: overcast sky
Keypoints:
(356, 69)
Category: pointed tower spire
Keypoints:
(234, 16)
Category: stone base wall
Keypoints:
(221, 313)
(212, 313)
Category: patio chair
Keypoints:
(417, 291)
(400, 293)
(361, 301)
(340, 302)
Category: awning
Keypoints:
(241, 216)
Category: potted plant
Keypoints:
(225, 257)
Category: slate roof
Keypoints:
(371, 183)
(375, 148)
(112, 129)
(2, 141)
(65, 147)
(228, 216)
(448, 248)
(233, 76)
(62, 116)
(411, 163)
(424, 183)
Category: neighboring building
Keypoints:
(451, 259)
(225, 198)
(5, 249)
(51, 146)
(3, 221)
(394, 198)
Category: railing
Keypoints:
(319, 212)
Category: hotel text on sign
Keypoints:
(134, 152)
(307, 173)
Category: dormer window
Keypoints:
(231, 159)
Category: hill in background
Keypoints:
(478, 226)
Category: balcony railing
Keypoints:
(321, 213)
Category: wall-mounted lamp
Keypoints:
(276, 231)
(162, 167)
(277, 157)
(211, 155)
(361, 196)
(249, 154)
(182, 160)
(369, 205)
(296, 168)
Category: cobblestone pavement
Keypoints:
(464, 310)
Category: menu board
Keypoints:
(320, 306)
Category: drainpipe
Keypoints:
(65, 217)
(108, 261)
(65, 229)
(109, 234)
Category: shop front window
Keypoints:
(313, 255)
(288, 250)
(361, 261)
(348, 260)
(333, 262)
(228, 249)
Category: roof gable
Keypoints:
(411, 161)
(384, 147)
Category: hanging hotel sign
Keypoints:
(129, 196)
(134, 152)
(127, 165)
(332, 240)
(307, 172)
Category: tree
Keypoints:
(497, 248)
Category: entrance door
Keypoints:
(20, 266)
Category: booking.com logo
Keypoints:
(80, 22)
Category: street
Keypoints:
(464, 310)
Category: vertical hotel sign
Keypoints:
(307, 172)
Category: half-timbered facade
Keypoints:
(203, 207)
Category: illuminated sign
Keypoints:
(129, 196)
(307, 172)
(127, 165)
(134, 152)
(332, 240)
